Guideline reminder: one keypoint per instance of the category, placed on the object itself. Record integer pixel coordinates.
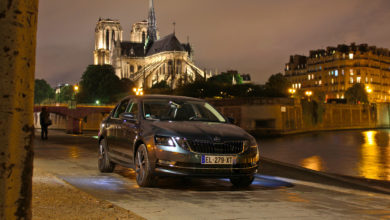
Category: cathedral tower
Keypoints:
(107, 34)
(152, 28)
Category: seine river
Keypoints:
(354, 153)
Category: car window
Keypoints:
(180, 110)
(133, 108)
(121, 108)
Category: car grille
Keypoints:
(209, 147)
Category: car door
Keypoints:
(113, 130)
(129, 130)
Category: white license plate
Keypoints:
(217, 159)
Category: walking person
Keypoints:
(45, 121)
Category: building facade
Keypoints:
(334, 70)
(146, 59)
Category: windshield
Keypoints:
(180, 110)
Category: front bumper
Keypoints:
(173, 161)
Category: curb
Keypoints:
(271, 167)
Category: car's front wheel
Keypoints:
(104, 163)
(242, 182)
(143, 172)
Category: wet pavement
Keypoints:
(353, 153)
(74, 159)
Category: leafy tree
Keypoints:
(277, 86)
(66, 94)
(227, 78)
(356, 94)
(42, 91)
(161, 85)
(99, 82)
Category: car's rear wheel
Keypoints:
(104, 163)
(143, 172)
(242, 182)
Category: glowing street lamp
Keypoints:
(76, 88)
(368, 89)
(308, 93)
(291, 91)
(138, 91)
(97, 102)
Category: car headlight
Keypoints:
(164, 141)
(171, 141)
(249, 144)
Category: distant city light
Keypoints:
(97, 102)
(292, 91)
(138, 91)
(368, 89)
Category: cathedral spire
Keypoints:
(152, 29)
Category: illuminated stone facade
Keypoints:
(336, 69)
(146, 59)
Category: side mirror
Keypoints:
(230, 120)
(127, 116)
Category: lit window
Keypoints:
(338, 96)
(350, 56)
(366, 79)
(351, 72)
(371, 79)
(286, 67)
(342, 72)
(320, 67)
(358, 79)
(320, 82)
(351, 79)
(299, 85)
(332, 81)
(329, 73)
(336, 72)
(312, 76)
(342, 96)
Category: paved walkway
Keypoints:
(74, 160)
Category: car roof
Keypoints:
(143, 97)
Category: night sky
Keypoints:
(251, 36)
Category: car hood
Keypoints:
(199, 130)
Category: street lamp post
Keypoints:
(308, 94)
(291, 91)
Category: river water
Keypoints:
(354, 153)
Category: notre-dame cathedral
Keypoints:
(146, 59)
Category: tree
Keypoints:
(227, 78)
(99, 82)
(277, 86)
(17, 57)
(66, 94)
(42, 91)
(356, 94)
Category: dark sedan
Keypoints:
(160, 135)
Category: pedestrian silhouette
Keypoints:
(45, 121)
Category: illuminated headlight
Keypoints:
(171, 141)
(164, 141)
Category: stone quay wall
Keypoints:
(278, 116)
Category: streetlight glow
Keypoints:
(368, 89)
(138, 91)
(308, 93)
(76, 88)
